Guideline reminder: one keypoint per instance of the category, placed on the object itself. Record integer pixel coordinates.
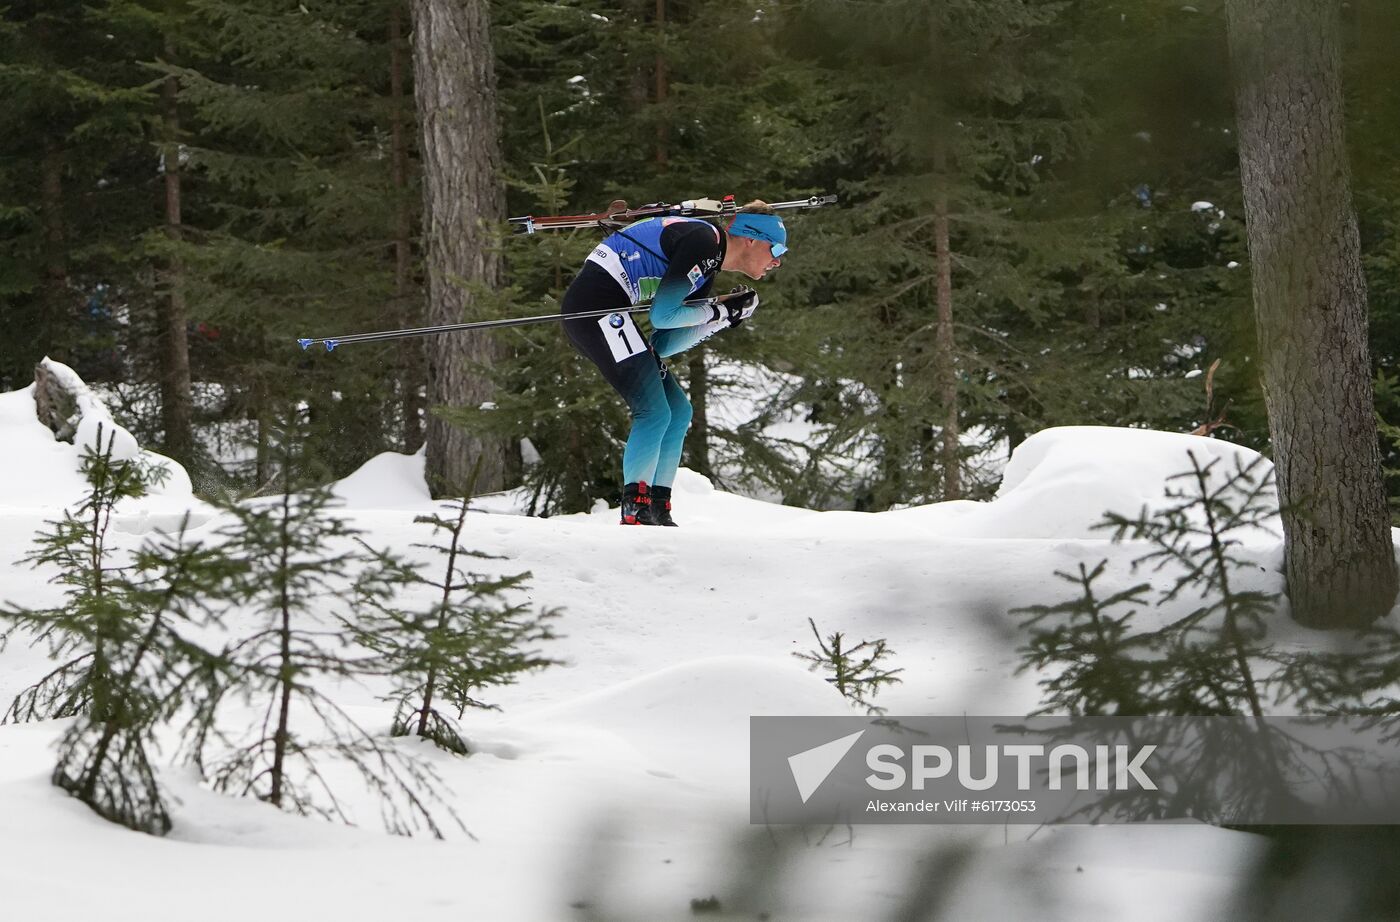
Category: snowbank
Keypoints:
(1057, 486)
(1060, 482)
(633, 753)
(387, 481)
(39, 474)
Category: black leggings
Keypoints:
(660, 411)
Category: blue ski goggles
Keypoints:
(766, 227)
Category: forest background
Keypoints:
(1040, 224)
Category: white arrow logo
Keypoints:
(811, 768)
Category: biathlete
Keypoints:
(669, 260)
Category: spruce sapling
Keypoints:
(1204, 664)
(469, 637)
(298, 583)
(1105, 664)
(1199, 665)
(124, 665)
(174, 584)
(855, 671)
(82, 633)
(1214, 647)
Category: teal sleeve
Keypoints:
(691, 247)
(669, 342)
(668, 310)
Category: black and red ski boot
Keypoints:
(636, 501)
(658, 511)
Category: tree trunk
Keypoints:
(407, 307)
(662, 134)
(637, 88)
(575, 486)
(262, 455)
(1310, 308)
(698, 442)
(261, 412)
(944, 355)
(57, 303)
(455, 87)
(176, 406)
(893, 482)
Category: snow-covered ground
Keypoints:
(615, 786)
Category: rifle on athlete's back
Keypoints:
(619, 215)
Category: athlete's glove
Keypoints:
(740, 305)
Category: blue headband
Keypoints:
(766, 227)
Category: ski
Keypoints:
(620, 215)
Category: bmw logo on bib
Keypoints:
(622, 336)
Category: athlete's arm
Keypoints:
(669, 342)
(688, 247)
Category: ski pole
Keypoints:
(330, 342)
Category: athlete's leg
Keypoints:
(636, 377)
(651, 418)
(673, 440)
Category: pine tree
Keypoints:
(291, 210)
(300, 585)
(125, 664)
(106, 762)
(557, 98)
(1371, 112)
(1205, 663)
(471, 637)
(546, 392)
(1164, 295)
(949, 252)
(1218, 660)
(1198, 537)
(1099, 665)
(856, 670)
(84, 633)
(71, 185)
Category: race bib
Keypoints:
(622, 336)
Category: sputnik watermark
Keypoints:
(1084, 770)
(811, 768)
(1102, 768)
(1114, 767)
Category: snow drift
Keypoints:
(39, 474)
(636, 748)
(1060, 482)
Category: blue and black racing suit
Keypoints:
(668, 260)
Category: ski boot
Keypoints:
(636, 503)
(658, 511)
